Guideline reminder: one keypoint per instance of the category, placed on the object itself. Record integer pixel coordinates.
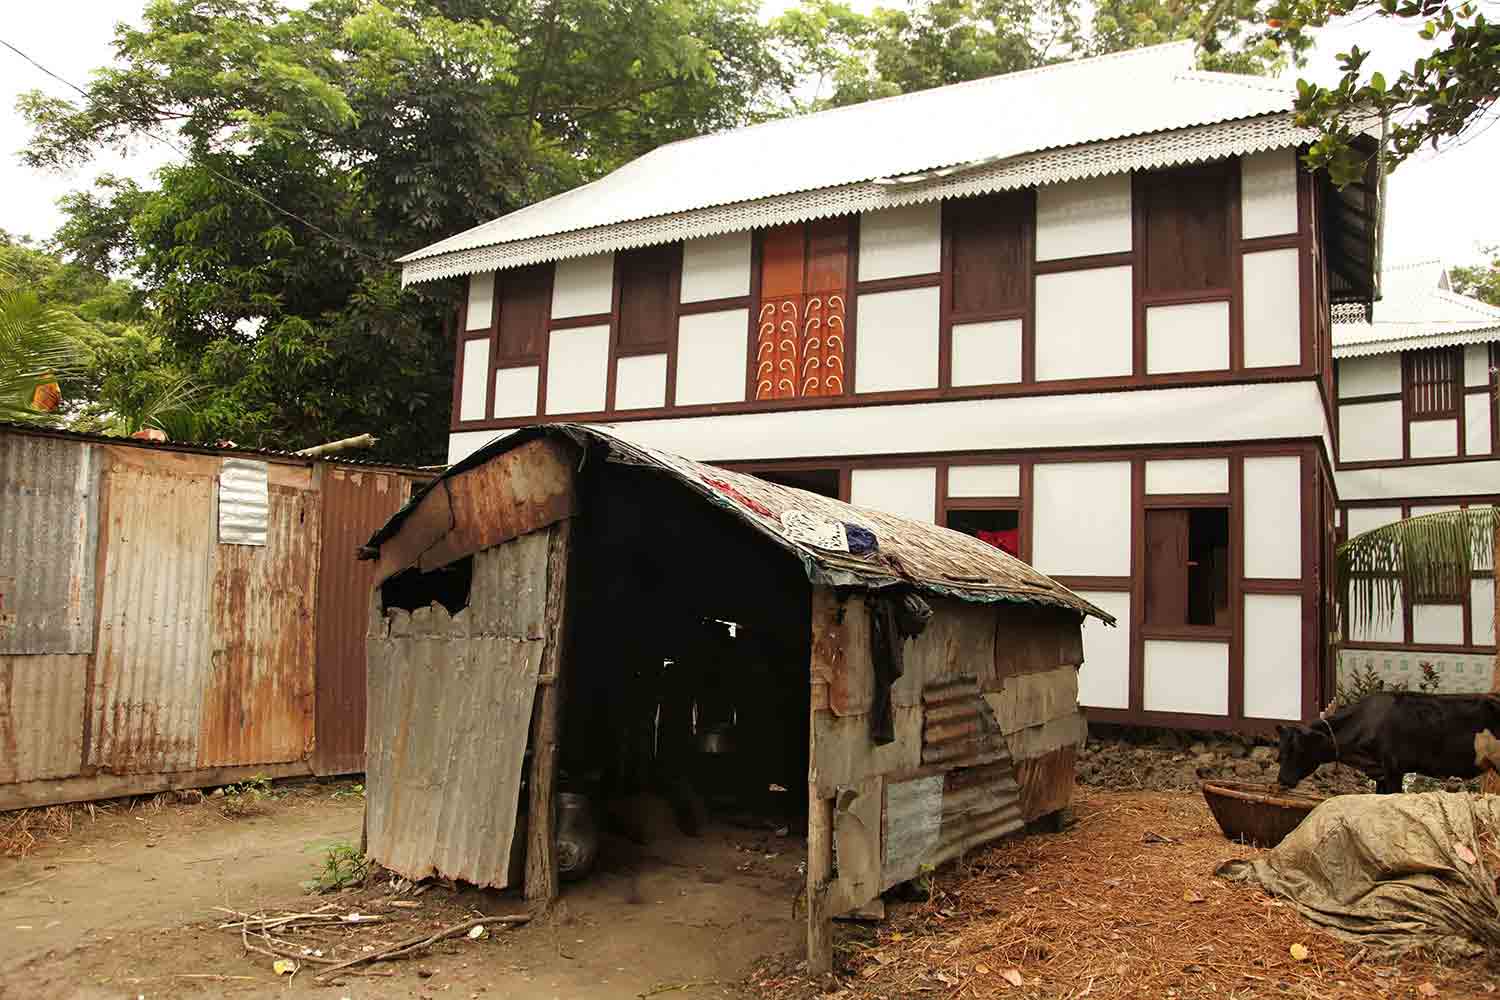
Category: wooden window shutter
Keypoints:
(525, 295)
(1433, 388)
(1187, 228)
(1166, 567)
(804, 288)
(647, 310)
(989, 253)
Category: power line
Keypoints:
(247, 189)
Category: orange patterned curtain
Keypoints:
(799, 350)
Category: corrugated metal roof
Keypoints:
(930, 558)
(49, 532)
(1125, 94)
(1417, 309)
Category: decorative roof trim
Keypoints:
(1148, 152)
(1418, 342)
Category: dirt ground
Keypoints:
(1122, 904)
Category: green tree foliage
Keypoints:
(322, 141)
(853, 57)
(1441, 96)
(1481, 281)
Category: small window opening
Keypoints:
(1000, 528)
(447, 585)
(1187, 567)
(824, 482)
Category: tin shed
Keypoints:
(566, 603)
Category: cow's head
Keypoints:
(1301, 752)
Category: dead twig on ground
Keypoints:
(419, 942)
(14, 888)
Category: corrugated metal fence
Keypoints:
(153, 637)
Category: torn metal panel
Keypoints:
(258, 691)
(354, 503)
(1047, 782)
(843, 753)
(1035, 699)
(450, 700)
(49, 493)
(244, 502)
(958, 728)
(1069, 731)
(959, 641)
(980, 804)
(41, 715)
(477, 506)
(857, 814)
(1029, 640)
(153, 647)
(841, 651)
(913, 823)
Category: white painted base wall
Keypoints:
(1104, 678)
(1186, 677)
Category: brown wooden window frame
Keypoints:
(1418, 392)
(1157, 508)
(1018, 208)
(839, 317)
(1156, 260)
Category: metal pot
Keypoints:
(716, 741)
(577, 836)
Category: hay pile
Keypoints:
(1123, 904)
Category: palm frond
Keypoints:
(1430, 554)
(38, 345)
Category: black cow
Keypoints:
(1388, 734)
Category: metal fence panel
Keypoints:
(41, 715)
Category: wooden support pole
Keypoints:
(819, 881)
(546, 725)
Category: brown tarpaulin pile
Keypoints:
(1392, 872)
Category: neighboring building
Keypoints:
(1083, 311)
(1417, 434)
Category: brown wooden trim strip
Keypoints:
(1182, 720)
(1027, 470)
(1236, 272)
(1188, 633)
(1137, 281)
(1436, 649)
(1151, 500)
(614, 333)
(1391, 463)
(876, 285)
(1374, 397)
(945, 297)
(575, 322)
(1236, 704)
(978, 503)
(1086, 263)
(1257, 585)
(1258, 244)
(1189, 298)
(1121, 583)
(1137, 667)
(712, 305)
(494, 359)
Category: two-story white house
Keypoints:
(1417, 433)
(1082, 311)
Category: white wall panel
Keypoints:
(1385, 628)
(641, 382)
(583, 286)
(1452, 479)
(577, 369)
(1186, 677)
(465, 443)
(481, 306)
(1477, 423)
(1104, 678)
(1477, 364)
(515, 391)
(1437, 624)
(1273, 656)
(906, 492)
(1081, 518)
(1363, 519)
(1187, 338)
(987, 353)
(476, 380)
(1419, 509)
(1083, 217)
(1273, 310)
(711, 357)
(902, 241)
(897, 343)
(984, 480)
(1083, 324)
(1273, 517)
(1369, 431)
(1188, 475)
(1434, 438)
(1482, 608)
(1372, 376)
(717, 267)
(1183, 415)
(1268, 193)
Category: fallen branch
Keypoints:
(13, 888)
(419, 942)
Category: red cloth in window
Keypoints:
(1008, 541)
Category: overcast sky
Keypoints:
(1440, 205)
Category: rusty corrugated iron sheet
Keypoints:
(41, 715)
(154, 637)
(258, 693)
(355, 503)
(449, 713)
(936, 560)
(49, 518)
